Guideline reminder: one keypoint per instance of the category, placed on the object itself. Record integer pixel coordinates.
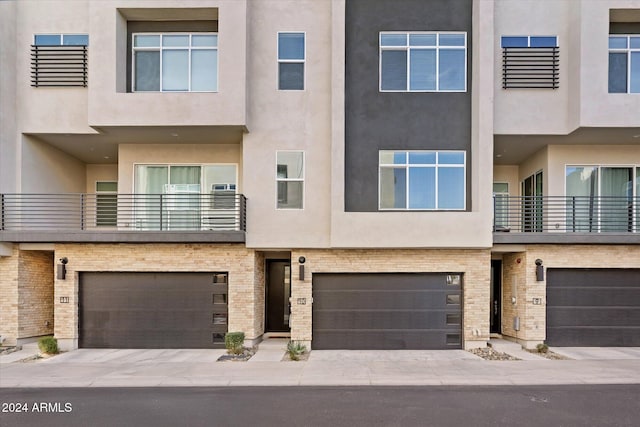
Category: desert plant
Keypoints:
(295, 350)
(542, 348)
(48, 345)
(233, 341)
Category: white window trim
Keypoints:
(628, 50)
(408, 48)
(62, 36)
(634, 167)
(201, 165)
(160, 48)
(304, 172)
(529, 39)
(302, 61)
(434, 165)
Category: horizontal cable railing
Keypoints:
(530, 67)
(568, 214)
(59, 66)
(218, 211)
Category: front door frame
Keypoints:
(270, 324)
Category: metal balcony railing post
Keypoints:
(160, 212)
(82, 211)
(2, 201)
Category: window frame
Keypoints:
(302, 61)
(61, 37)
(160, 48)
(279, 180)
(436, 166)
(113, 195)
(202, 166)
(628, 51)
(407, 48)
(557, 44)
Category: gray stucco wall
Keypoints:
(403, 121)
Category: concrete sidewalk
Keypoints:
(158, 368)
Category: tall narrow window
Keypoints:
(624, 63)
(291, 59)
(290, 179)
(106, 204)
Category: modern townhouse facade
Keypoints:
(354, 174)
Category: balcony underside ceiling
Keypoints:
(102, 148)
(514, 149)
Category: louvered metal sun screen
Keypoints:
(58, 66)
(530, 67)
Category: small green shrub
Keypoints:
(542, 348)
(295, 350)
(48, 345)
(233, 341)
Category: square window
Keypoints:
(422, 180)
(184, 62)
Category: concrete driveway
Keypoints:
(599, 353)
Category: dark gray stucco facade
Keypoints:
(390, 120)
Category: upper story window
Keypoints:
(175, 62)
(530, 62)
(290, 179)
(61, 40)
(423, 62)
(423, 180)
(59, 60)
(291, 58)
(624, 63)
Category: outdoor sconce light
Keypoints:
(62, 268)
(539, 270)
(301, 260)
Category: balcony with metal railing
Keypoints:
(566, 219)
(215, 217)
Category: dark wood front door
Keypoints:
(278, 293)
(496, 297)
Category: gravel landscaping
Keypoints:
(549, 355)
(243, 357)
(489, 353)
(9, 350)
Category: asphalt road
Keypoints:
(571, 405)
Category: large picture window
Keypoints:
(175, 62)
(423, 180)
(602, 198)
(624, 64)
(423, 62)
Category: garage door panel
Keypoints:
(148, 310)
(604, 336)
(386, 311)
(386, 340)
(593, 307)
(597, 296)
(594, 316)
(390, 319)
(379, 299)
(366, 282)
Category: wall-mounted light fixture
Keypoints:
(539, 270)
(62, 268)
(301, 260)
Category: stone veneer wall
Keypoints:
(533, 317)
(9, 298)
(244, 300)
(35, 287)
(475, 264)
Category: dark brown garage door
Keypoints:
(152, 310)
(387, 311)
(593, 307)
